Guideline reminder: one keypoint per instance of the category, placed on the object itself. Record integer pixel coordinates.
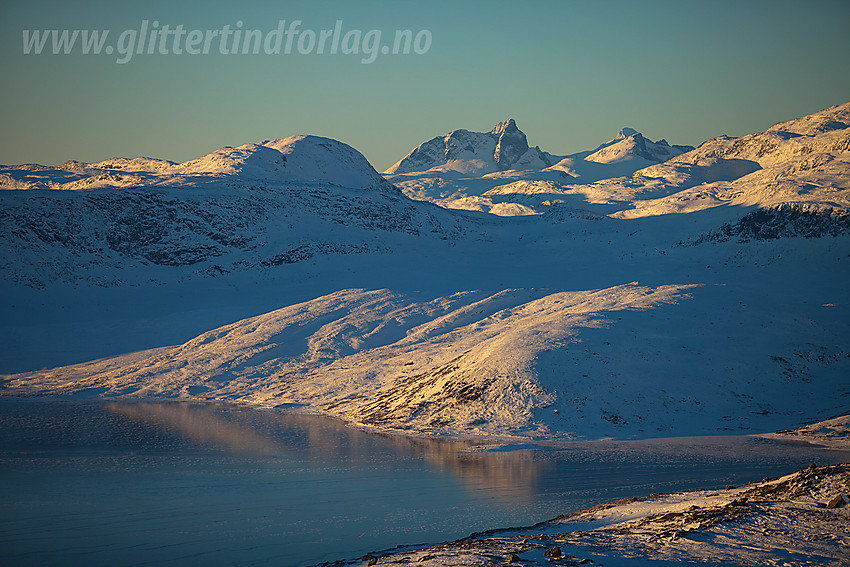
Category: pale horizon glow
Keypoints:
(572, 74)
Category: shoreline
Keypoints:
(798, 518)
(831, 434)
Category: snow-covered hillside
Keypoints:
(802, 162)
(528, 362)
(247, 208)
(296, 159)
(290, 274)
(446, 364)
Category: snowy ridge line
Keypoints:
(804, 161)
(799, 519)
(485, 171)
(241, 209)
(302, 159)
(505, 147)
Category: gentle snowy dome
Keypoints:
(315, 158)
(296, 158)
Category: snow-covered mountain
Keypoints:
(502, 148)
(630, 144)
(798, 165)
(701, 295)
(455, 170)
(235, 209)
(296, 159)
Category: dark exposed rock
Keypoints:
(512, 144)
(784, 221)
(553, 552)
(836, 502)
(71, 236)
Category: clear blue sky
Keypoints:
(572, 73)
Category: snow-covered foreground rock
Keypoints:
(799, 519)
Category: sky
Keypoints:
(570, 72)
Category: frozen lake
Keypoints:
(144, 483)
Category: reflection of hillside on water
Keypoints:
(200, 423)
(508, 474)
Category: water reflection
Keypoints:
(514, 476)
(200, 424)
(92, 483)
(510, 475)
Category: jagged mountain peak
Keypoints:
(512, 144)
(503, 127)
(503, 148)
(626, 132)
(630, 145)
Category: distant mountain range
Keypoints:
(634, 290)
(455, 170)
(505, 147)
(801, 161)
(304, 159)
